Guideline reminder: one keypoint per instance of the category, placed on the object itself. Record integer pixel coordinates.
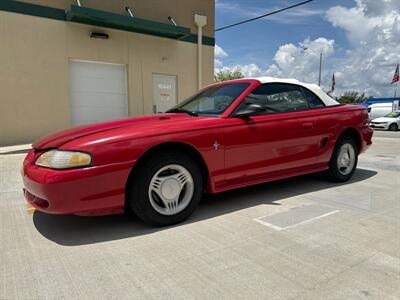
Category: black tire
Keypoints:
(138, 188)
(393, 127)
(334, 172)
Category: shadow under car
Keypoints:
(70, 230)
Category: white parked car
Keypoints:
(389, 122)
(379, 110)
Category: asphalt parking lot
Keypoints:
(302, 238)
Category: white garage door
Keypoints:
(98, 92)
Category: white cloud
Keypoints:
(250, 70)
(217, 63)
(219, 52)
(378, 8)
(373, 30)
(294, 60)
(219, 55)
(298, 61)
(301, 61)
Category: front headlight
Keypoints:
(57, 159)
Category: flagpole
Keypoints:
(395, 80)
(395, 86)
(395, 94)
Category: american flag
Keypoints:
(333, 83)
(396, 75)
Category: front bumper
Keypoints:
(96, 190)
(379, 126)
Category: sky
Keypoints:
(359, 40)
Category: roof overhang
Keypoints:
(102, 18)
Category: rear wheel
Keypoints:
(344, 160)
(165, 189)
(393, 127)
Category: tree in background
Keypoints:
(224, 75)
(352, 97)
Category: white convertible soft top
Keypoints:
(313, 87)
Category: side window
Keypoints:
(313, 100)
(277, 98)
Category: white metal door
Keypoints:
(98, 92)
(164, 92)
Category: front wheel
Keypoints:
(344, 160)
(165, 189)
(393, 127)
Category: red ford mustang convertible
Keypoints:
(229, 135)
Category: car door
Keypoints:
(326, 126)
(283, 137)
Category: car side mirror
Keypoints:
(248, 111)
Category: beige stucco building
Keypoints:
(63, 65)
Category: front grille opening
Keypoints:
(36, 200)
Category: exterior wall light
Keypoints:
(127, 8)
(172, 21)
(99, 35)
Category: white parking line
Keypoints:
(258, 220)
(267, 224)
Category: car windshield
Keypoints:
(211, 101)
(393, 114)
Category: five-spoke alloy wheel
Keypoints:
(344, 160)
(165, 189)
(171, 189)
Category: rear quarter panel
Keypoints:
(335, 120)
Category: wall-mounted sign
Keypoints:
(165, 97)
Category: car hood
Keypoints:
(383, 119)
(57, 139)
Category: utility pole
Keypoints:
(320, 69)
(320, 64)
